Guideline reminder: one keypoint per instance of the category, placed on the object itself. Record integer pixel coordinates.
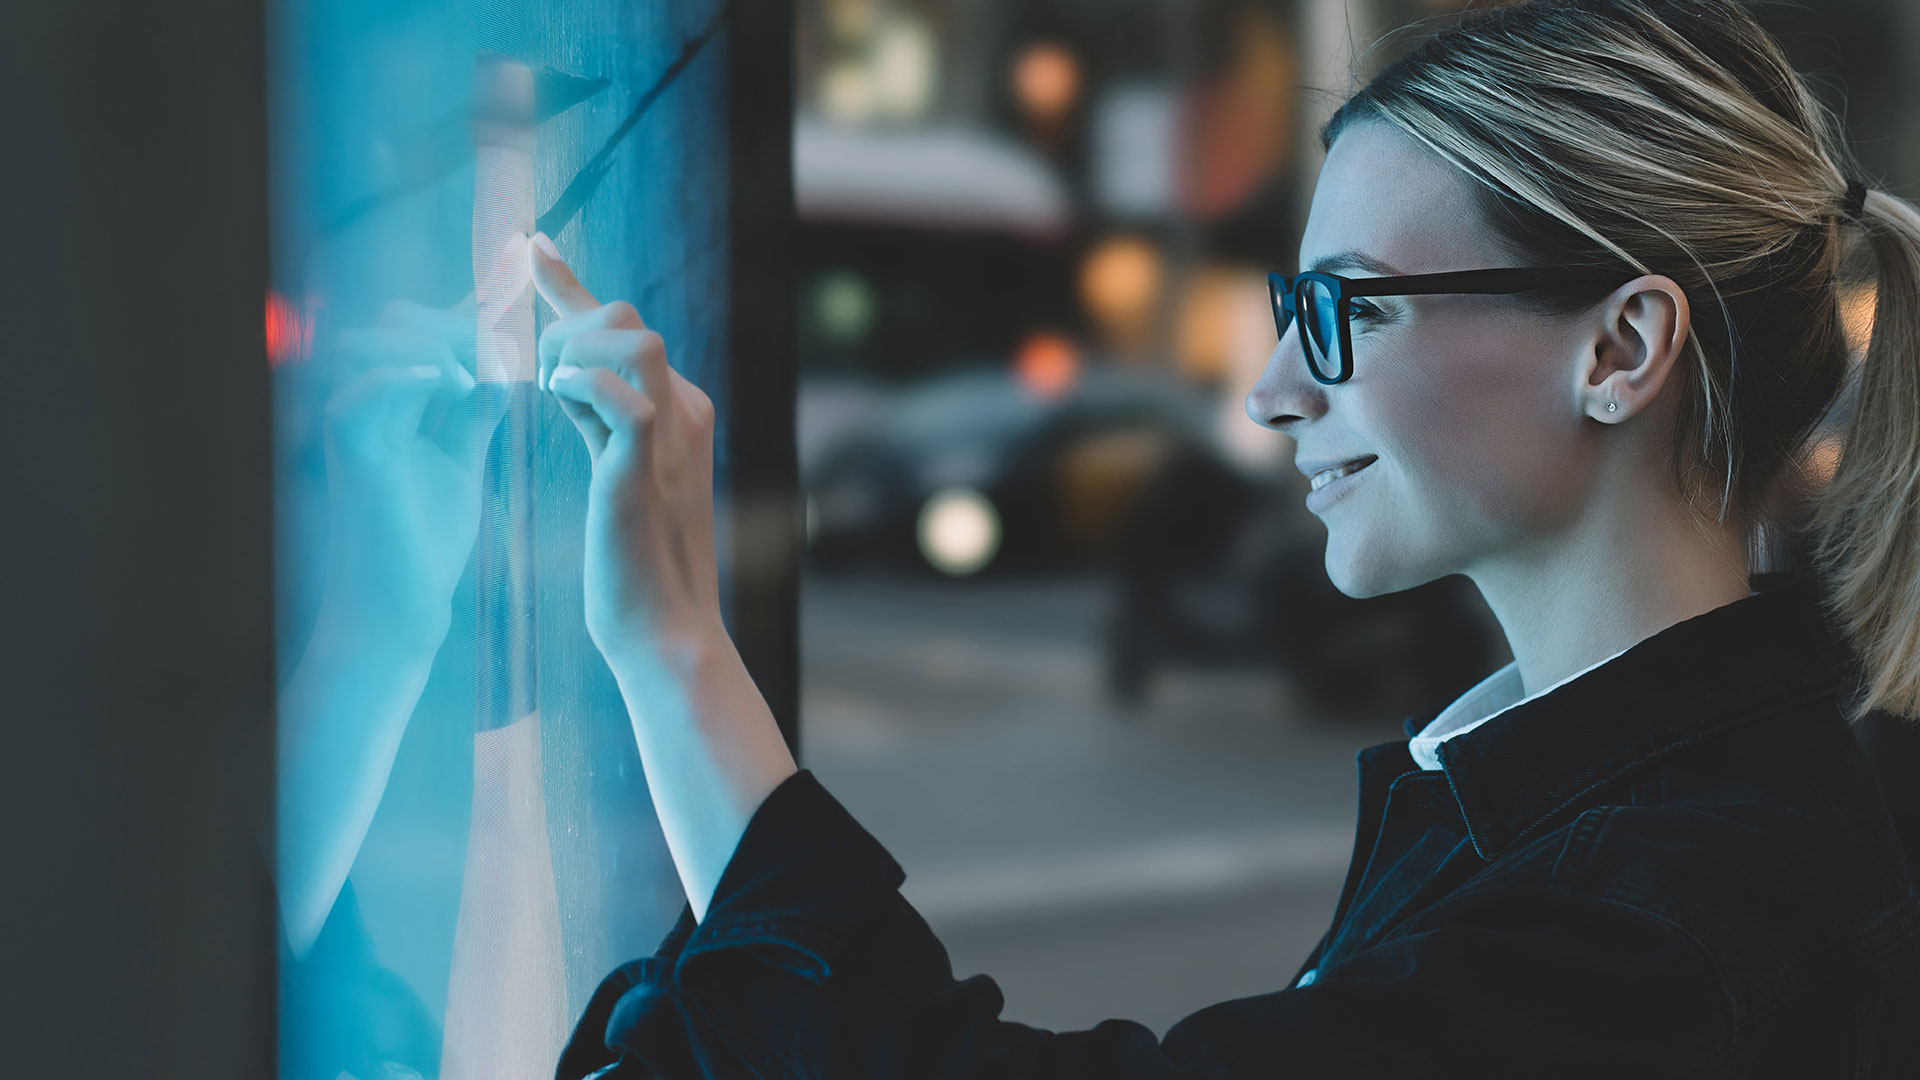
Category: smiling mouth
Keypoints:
(1322, 479)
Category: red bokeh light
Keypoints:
(1047, 363)
(289, 330)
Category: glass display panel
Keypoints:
(466, 845)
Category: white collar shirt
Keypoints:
(1487, 699)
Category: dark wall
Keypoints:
(135, 603)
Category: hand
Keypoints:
(405, 443)
(652, 587)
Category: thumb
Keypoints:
(555, 280)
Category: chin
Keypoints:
(1363, 590)
(1357, 582)
(1363, 575)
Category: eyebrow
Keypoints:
(1327, 264)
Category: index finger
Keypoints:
(555, 280)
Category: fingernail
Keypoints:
(545, 244)
(564, 371)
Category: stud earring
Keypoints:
(1611, 406)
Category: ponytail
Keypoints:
(1865, 523)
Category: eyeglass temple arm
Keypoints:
(1509, 279)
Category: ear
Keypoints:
(1638, 333)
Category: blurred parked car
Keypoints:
(1223, 569)
(975, 469)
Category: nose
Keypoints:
(1285, 392)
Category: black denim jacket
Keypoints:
(1676, 864)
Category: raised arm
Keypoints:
(710, 747)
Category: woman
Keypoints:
(1650, 846)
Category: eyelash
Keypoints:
(1362, 310)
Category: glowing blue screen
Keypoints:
(465, 843)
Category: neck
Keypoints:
(1615, 579)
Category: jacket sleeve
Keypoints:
(811, 964)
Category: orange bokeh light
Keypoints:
(1120, 284)
(1046, 81)
(1047, 363)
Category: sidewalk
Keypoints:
(1095, 864)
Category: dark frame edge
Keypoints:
(762, 368)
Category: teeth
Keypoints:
(1322, 479)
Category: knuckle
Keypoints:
(621, 313)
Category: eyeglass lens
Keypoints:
(1325, 332)
(1320, 335)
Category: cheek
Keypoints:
(1477, 431)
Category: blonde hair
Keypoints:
(1673, 137)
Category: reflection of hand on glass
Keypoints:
(404, 438)
(710, 746)
(404, 494)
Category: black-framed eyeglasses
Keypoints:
(1327, 340)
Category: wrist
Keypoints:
(711, 748)
(686, 650)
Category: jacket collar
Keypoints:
(1518, 771)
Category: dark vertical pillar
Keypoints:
(761, 366)
(136, 920)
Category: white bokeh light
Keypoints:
(959, 531)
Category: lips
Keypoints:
(1311, 469)
(1322, 495)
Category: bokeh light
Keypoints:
(959, 531)
(1046, 81)
(1120, 286)
(1047, 363)
(844, 305)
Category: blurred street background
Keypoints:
(1068, 648)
